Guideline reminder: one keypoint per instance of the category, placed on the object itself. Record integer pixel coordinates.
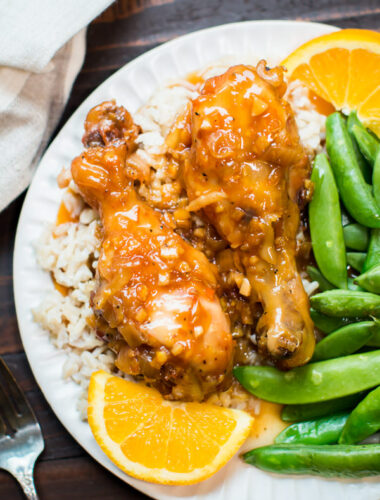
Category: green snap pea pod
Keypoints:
(316, 275)
(375, 340)
(356, 237)
(324, 285)
(344, 341)
(368, 144)
(330, 460)
(346, 303)
(363, 164)
(314, 382)
(326, 430)
(354, 191)
(328, 324)
(364, 419)
(356, 260)
(300, 413)
(376, 178)
(325, 224)
(370, 280)
(351, 285)
(373, 254)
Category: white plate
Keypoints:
(131, 86)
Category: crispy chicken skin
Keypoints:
(155, 289)
(245, 157)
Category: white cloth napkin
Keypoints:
(42, 48)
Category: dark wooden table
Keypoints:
(124, 31)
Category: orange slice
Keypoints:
(160, 441)
(342, 68)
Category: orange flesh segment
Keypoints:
(194, 436)
(304, 74)
(371, 106)
(344, 69)
(371, 62)
(330, 80)
(161, 441)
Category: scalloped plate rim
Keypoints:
(23, 252)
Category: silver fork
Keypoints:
(21, 440)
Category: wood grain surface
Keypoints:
(127, 29)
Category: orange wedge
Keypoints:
(343, 68)
(160, 441)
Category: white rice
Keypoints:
(309, 286)
(310, 123)
(67, 250)
(160, 112)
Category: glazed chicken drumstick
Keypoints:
(247, 169)
(156, 290)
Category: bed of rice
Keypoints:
(70, 251)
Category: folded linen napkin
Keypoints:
(40, 57)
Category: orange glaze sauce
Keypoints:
(63, 216)
(63, 290)
(195, 78)
(267, 425)
(323, 107)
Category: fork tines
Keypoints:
(15, 411)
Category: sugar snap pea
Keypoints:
(326, 430)
(351, 285)
(328, 324)
(330, 460)
(376, 178)
(346, 303)
(356, 260)
(316, 275)
(363, 164)
(373, 254)
(300, 413)
(324, 285)
(375, 339)
(314, 382)
(344, 341)
(356, 236)
(354, 191)
(364, 419)
(368, 144)
(370, 280)
(325, 224)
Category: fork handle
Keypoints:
(25, 478)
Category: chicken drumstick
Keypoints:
(155, 289)
(246, 154)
